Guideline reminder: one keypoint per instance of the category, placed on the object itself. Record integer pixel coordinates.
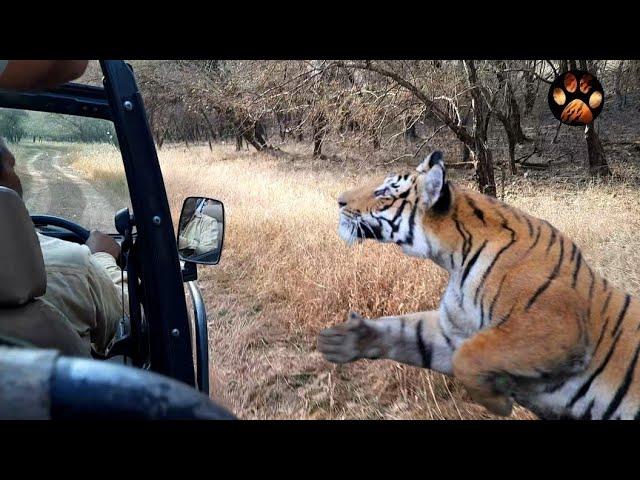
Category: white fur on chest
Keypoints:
(457, 323)
(460, 314)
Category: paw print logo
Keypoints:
(576, 97)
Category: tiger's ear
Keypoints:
(431, 160)
(434, 184)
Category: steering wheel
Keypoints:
(49, 220)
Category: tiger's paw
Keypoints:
(496, 404)
(349, 341)
(577, 98)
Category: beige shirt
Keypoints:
(200, 234)
(85, 288)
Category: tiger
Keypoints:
(524, 319)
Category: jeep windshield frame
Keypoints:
(170, 349)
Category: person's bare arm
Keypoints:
(29, 74)
(101, 242)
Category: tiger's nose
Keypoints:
(341, 201)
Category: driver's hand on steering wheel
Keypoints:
(100, 242)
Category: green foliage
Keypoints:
(18, 124)
(12, 124)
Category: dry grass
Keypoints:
(285, 274)
(103, 165)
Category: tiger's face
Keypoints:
(392, 209)
(379, 210)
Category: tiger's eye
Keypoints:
(570, 83)
(558, 96)
(585, 83)
(595, 99)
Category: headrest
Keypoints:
(211, 210)
(22, 273)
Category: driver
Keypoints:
(84, 283)
(200, 234)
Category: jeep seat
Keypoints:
(23, 315)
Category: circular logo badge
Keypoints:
(576, 97)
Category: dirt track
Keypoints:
(52, 187)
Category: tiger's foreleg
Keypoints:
(415, 339)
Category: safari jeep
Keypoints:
(158, 366)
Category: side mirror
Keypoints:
(201, 230)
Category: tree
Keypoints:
(479, 149)
(597, 161)
(476, 138)
(598, 165)
(12, 124)
(319, 131)
(394, 107)
(531, 85)
(509, 113)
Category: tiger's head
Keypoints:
(395, 208)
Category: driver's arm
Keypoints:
(27, 74)
(108, 286)
(109, 291)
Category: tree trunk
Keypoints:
(513, 113)
(464, 148)
(319, 125)
(479, 150)
(531, 88)
(260, 135)
(410, 133)
(595, 153)
(250, 139)
(283, 124)
(597, 161)
(564, 66)
(253, 136)
(465, 153)
(511, 108)
(618, 84)
(511, 140)
(484, 169)
(161, 139)
(212, 132)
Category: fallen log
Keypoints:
(535, 166)
(461, 165)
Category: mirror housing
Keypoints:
(201, 230)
